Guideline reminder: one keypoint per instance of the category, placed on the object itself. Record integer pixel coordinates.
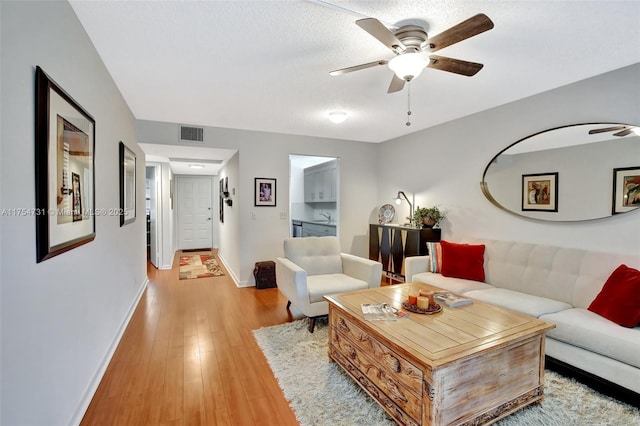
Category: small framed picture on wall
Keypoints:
(265, 192)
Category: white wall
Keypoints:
(266, 155)
(443, 165)
(61, 318)
(230, 234)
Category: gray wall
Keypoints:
(266, 155)
(61, 318)
(443, 165)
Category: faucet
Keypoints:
(326, 215)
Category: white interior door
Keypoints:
(195, 214)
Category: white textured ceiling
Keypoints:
(264, 65)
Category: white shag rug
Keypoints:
(320, 393)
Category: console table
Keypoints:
(390, 244)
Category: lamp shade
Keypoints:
(408, 65)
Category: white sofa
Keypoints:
(556, 285)
(314, 267)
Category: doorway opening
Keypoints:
(314, 197)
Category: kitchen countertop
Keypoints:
(316, 222)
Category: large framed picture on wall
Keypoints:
(64, 171)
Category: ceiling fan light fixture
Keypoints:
(408, 66)
(337, 116)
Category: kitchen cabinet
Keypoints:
(320, 183)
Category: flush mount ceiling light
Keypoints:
(337, 116)
(408, 65)
(196, 166)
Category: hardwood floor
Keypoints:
(188, 357)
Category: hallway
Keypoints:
(188, 357)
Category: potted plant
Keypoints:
(427, 216)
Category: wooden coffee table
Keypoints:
(473, 364)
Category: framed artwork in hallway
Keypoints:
(127, 174)
(64, 175)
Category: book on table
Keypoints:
(381, 312)
(450, 299)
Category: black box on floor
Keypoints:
(265, 274)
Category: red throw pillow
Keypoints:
(463, 261)
(619, 299)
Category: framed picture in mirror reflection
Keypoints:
(540, 192)
(626, 189)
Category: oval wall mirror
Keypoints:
(570, 173)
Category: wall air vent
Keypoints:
(191, 134)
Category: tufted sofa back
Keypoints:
(316, 255)
(569, 275)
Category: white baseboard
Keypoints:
(235, 279)
(93, 384)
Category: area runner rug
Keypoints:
(320, 393)
(198, 266)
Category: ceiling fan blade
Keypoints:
(607, 129)
(382, 33)
(397, 84)
(358, 67)
(456, 66)
(471, 27)
(625, 132)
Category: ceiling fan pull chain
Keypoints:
(408, 123)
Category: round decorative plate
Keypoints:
(386, 213)
(433, 309)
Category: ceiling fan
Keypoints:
(410, 42)
(620, 130)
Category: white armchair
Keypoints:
(314, 267)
